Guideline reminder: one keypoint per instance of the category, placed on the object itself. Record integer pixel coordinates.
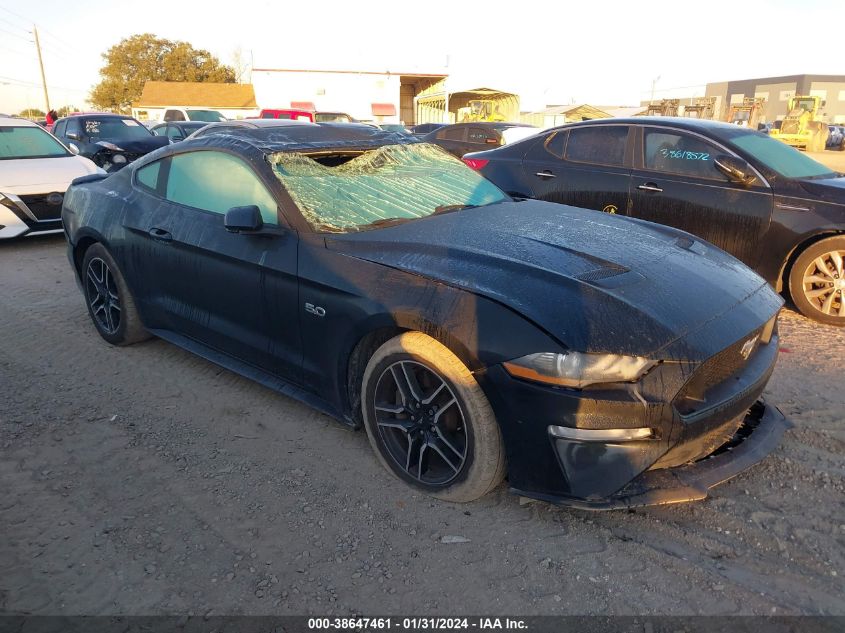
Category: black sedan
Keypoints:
(767, 204)
(462, 138)
(594, 359)
(112, 141)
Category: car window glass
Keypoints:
(600, 144)
(215, 181)
(73, 126)
(267, 115)
(174, 132)
(680, 154)
(556, 143)
(59, 129)
(480, 135)
(452, 133)
(159, 130)
(147, 176)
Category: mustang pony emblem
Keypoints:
(748, 347)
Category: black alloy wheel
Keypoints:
(102, 294)
(421, 423)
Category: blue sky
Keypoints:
(547, 52)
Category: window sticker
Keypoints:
(683, 154)
(129, 122)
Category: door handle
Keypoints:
(545, 174)
(650, 186)
(160, 234)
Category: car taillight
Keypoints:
(476, 163)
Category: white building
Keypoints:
(386, 97)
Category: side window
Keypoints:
(676, 153)
(215, 181)
(480, 135)
(73, 125)
(599, 144)
(452, 134)
(556, 144)
(268, 115)
(147, 176)
(174, 133)
(159, 130)
(59, 128)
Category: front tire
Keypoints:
(817, 281)
(110, 304)
(428, 420)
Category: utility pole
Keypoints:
(41, 64)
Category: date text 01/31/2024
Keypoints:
(414, 624)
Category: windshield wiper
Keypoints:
(381, 223)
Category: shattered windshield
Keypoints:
(379, 187)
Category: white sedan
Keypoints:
(35, 171)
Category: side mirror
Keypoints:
(243, 219)
(74, 135)
(73, 148)
(736, 169)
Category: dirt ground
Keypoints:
(146, 480)
(833, 159)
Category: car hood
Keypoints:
(39, 175)
(138, 146)
(595, 282)
(828, 189)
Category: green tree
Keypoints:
(32, 113)
(142, 58)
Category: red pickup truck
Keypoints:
(306, 115)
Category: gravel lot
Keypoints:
(148, 481)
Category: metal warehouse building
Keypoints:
(778, 90)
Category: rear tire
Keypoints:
(110, 304)
(817, 281)
(428, 420)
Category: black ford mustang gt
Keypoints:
(595, 360)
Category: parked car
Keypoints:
(112, 141)
(836, 137)
(297, 115)
(177, 130)
(461, 138)
(332, 117)
(424, 128)
(192, 114)
(767, 204)
(35, 171)
(469, 333)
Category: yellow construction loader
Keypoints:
(748, 113)
(481, 110)
(802, 128)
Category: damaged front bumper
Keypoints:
(758, 435)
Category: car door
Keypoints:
(236, 293)
(584, 166)
(675, 182)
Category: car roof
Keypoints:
(301, 137)
(688, 123)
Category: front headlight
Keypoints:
(575, 369)
(118, 159)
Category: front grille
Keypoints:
(44, 206)
(714, 371)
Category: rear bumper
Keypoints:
(758, 435)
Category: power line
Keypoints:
(26, 39)
(70, 48)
